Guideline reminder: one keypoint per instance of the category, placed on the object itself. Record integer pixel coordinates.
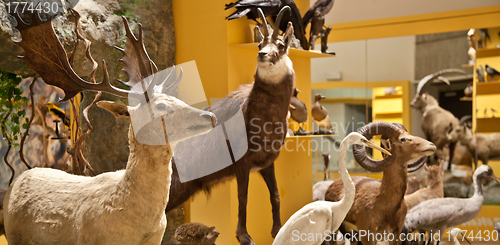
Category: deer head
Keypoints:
(460, 131)
(151, 111)
(405, 148)
(273, 62)
(434, 173)
(421, 98)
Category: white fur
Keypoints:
(274, 73)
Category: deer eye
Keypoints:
(281, 46)
(161, 107)
(403, 140)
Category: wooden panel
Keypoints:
(488, 125)
(488, 88)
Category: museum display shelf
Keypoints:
(487, 52)
(492, 87)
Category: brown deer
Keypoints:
(379, 205)
(265, 106)
(48, 206)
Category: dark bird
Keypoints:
(320, 116)
(298, 110)
(480, 76)
(483, 36)
(469, 90)
(271, 8)
(491, 71)
(493, 111)
(485, 112)
(316, 15)
(57, 112)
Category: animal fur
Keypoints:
(434, 187)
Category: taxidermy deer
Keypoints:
(48, 206)
(265, 106)
(434, 187)
(379, 205)
(435, 120)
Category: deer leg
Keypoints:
(241, 230)
(270, 179)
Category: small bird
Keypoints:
(324, 216)
(493, 111)
(468, 91)
(320, 188)
(57, 112)
(438, 214)
(491, 71)
(480, 76)
(483, 36)
(321, 117)
(485, 112)
(298, 110)
(195, 234)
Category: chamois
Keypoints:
(265, 106)
(49, 206)
(379, 205)
(484, 146)
(434, 187)
(435, 120)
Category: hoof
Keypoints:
(245, 239)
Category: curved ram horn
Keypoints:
(465, 119)
(416, 165)
(424, 82)
(264, 23)
(278, 21)
(387, 130)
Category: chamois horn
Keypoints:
(387, 130)
(264, 23)
(424, 82)
(278, 21)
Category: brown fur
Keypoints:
(379, 205)
(265, 100)
(434, 187)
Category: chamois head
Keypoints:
(460, 131)
(408, 150)
(434, 173)
(273, 62)
(421, 98)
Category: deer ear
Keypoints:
(258, 34)
(288, 36)
(117, 108)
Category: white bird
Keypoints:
(320, 188)
(323, 216)
(436, 215)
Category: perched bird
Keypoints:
(491, 71)
(298, 109)
(323, 216)
(320, 188)
(485, 112)
(316, 15)
(271, 8)
(480, 75)
(438, 214)
(320, 116)
(483, 36)
(57, 112)
(469, 90)
(195, 233)
(493, 111)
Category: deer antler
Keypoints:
(45, 55)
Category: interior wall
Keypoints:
(377, 9)
(387, 59)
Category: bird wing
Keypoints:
(253, 3)
(313, 218)
(432, 214)
(324, 5)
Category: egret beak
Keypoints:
(323, 97)
(376, 147)
(495, 178)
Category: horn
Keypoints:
(416, 165)
(264, 22)
(277, 23)
(465, 119)
(422, 84)
(387, 130)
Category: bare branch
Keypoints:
(21, 153)
(9, 143)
